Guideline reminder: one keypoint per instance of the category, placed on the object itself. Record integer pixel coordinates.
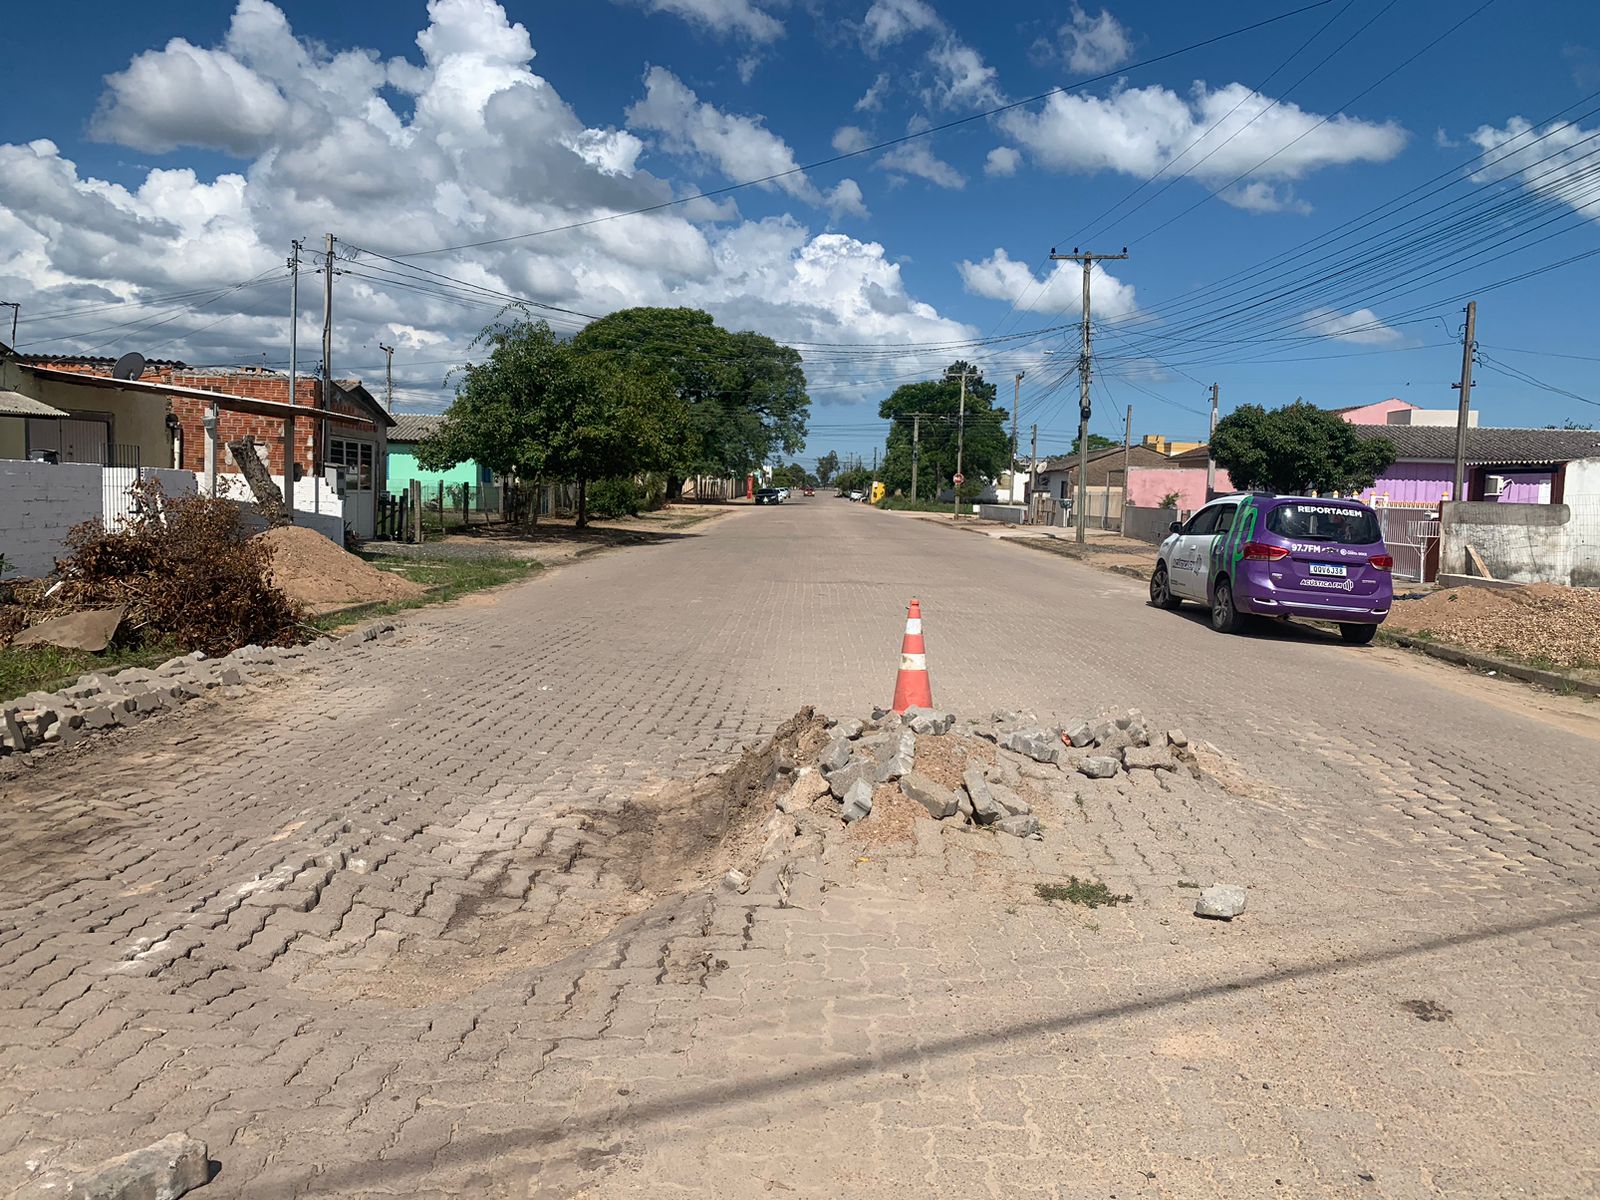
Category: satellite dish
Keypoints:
(129, 366)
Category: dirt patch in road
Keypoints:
(667, 841)
(1540, 623)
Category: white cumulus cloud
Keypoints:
(1001, 277)
(723, 17)
(1138, 131)
(1092, 45)
(917, 158)
(1554, 162)
(890, 21)
(741, 147)
(482, 148)
(1363, 326)
(1002, 161)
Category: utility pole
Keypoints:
(1127, 464)
(388, 376)
(16, 311)
(327, 337)
(1033, 470)
(916, 450)
(1088, 260)
(961, 438)
(1468, 345)
(1016, 403)
(874, 460)
(294, 367)
(1211, 458)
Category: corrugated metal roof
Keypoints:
(413, 427)
(15, 404)
(1486, 447)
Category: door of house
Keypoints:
(358, 459)
(74, 439)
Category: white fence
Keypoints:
(41, 502)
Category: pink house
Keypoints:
(1374, 414)
(1184, 474)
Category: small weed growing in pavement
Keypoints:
(1092, 926)
(1090, 893)
(1188, 883)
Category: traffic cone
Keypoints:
(911, 686)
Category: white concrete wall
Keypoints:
(1522, 543)
(39, 503)
(316, 505)
(1583, 480)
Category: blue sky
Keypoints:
(178, 150)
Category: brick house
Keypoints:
(166, 410)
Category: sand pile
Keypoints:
(323, 577)
(1540, 622)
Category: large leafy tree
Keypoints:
(986, 443)
(1296, 449)
(827, 467)
(540, 408)
(742, 395)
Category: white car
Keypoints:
(858, 496)
(783, 494)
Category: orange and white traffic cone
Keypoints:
(911, 686)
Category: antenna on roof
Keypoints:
(129, 366)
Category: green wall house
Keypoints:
(411, 428)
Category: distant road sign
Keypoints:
(960, 478)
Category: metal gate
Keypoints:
(1411, 532)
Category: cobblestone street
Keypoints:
(374, 930)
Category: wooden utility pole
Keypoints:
(294, 369)
(1211, 458)
(1088, 259)
(1468, 345)
(16, 311)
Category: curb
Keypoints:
(1553, 680)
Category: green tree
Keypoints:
(986, 445)
(1096, 442)
(1296, 449)
(742, 396)
(827, 468)
(539, 408)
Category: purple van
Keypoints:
(1279, 556)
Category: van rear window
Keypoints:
(1332, 523)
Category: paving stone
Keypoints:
(1099, 766)
(857, 801)
(170, 1168)
(1005, 772)
(939, 800)
(1012, 804)
(836, 755)
(858, 769)
(1035, 742)
(1149, 758)
(1176, 737)
(1019, 826)
(1079, 733)
(897, 757)
(928, 720)
(846, 727)
(985, 808)
(1222, 900)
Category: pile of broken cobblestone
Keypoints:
(41, 721)
(865, 753)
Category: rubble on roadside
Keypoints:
(41, 721)
(982, 764)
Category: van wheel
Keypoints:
(1161, 589)
(1225, 615)
(1358, 635)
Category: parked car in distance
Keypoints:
(768, 496)
(1279, 556)
(809, 492)
(858, 496)
(783, 494)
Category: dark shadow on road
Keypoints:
(734, 1092)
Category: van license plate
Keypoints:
(1327, 569)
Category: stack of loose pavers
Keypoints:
(41, 721)
(865, 754)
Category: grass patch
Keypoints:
(445, 578)
(26, 669)
(907, 504)
(1090, 893)
(1188, 883)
